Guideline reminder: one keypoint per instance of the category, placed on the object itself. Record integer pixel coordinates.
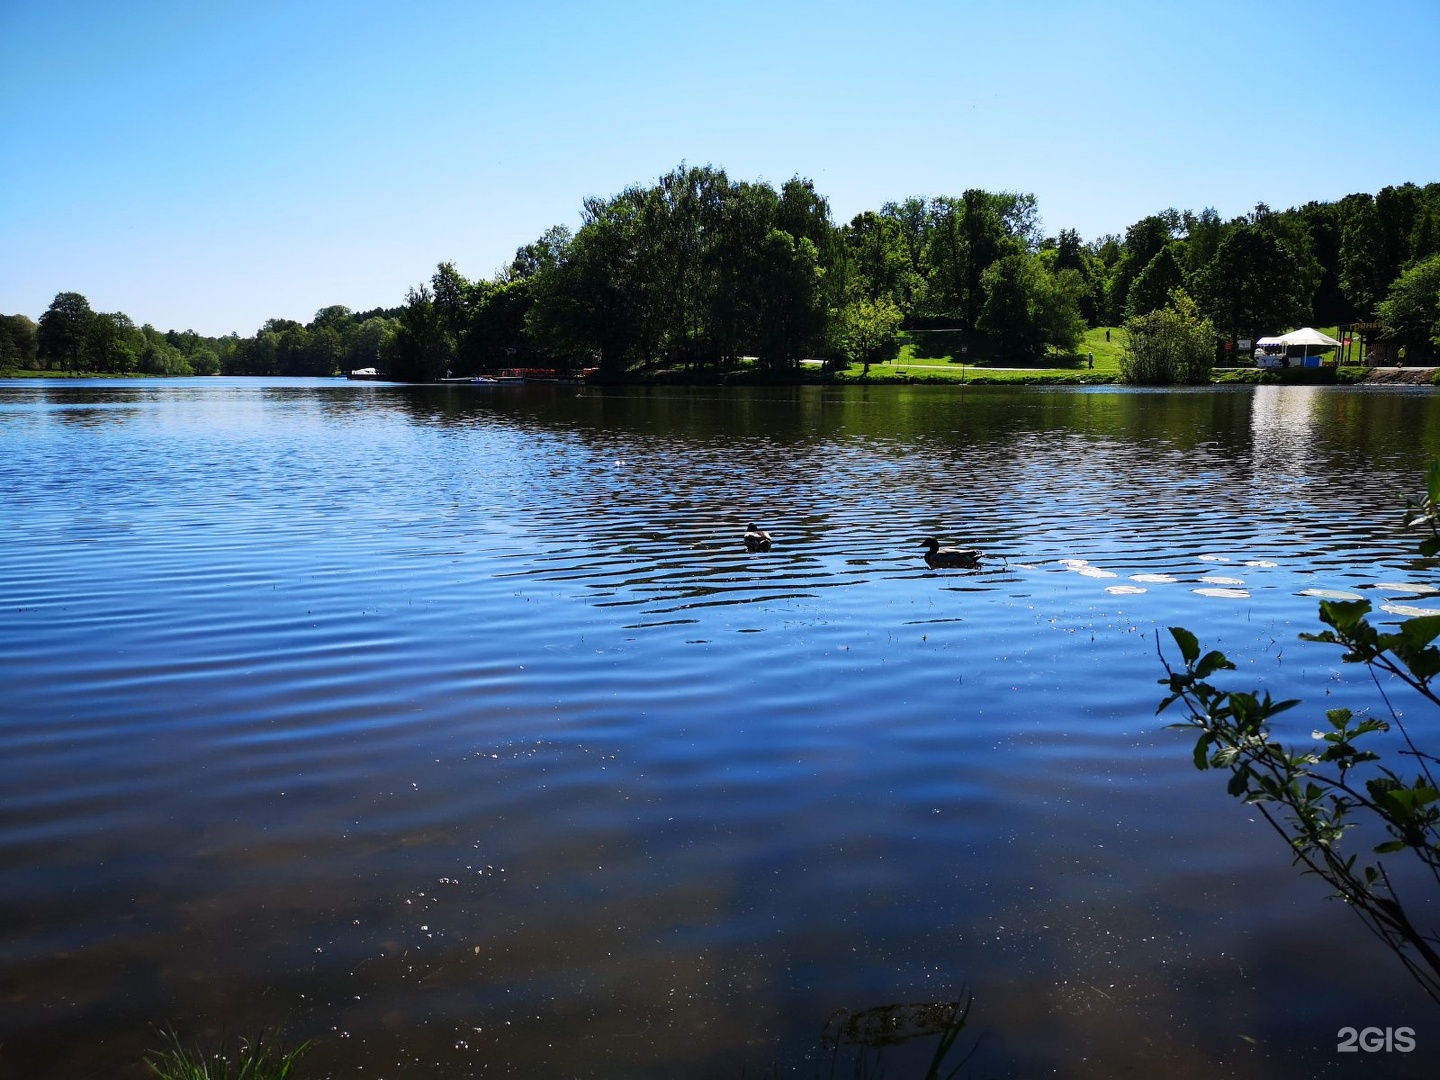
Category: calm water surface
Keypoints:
(456, 729)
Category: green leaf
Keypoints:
(1212, 662)
(1338, 718)
(1420, 632)
(1390, 846)
(1202, 748)
(1346, 616)
(1188, 643)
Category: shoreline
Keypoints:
(883, 376)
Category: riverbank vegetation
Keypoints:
(700, 276)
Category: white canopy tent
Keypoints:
(1306, 337)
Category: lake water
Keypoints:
(456, 729)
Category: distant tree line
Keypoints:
(698, 270)
(71, 336)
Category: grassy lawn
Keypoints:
(936, 356)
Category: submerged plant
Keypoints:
(870, 1031)
(259, 1059)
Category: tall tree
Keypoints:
(1253, 285)
(62, 332)
(595, 303)
(1411, 310)
(875, 257)
(1152, 286)
(113, 343)
(912, 223)
(419, 350)
(1363, 278)
(544, 254)
(19, 342)
(1027, 308)
(792, 313)
(1143, 241)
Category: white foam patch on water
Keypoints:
(1211, 579)
(1074, 564)
(1223, 594)
(1154, 579)
(1330, 594)
(1413, 588)
(1214, 558)
(1265, 564)
(1095, 571)
(1409, 610)
(1125, 590)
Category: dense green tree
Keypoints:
(1291, 229)
(495, 336)
(751, 211)
(966, 236)
(158, 356)
(365, 344)
(452, 297)
(875, 259)
(867, 331)
(1143, 241)
(1397, 209)
(62, 332)
(1425, 238)
(792, 311)
(113, 343)
(1152, 287)
(593, 304)
(1027, 308)
(1069, 251)
(1203, 233)
(1253, 286)
(420, 349)
(204, 361)
(1323, 222)
(1362, 279)
(912, 226)
(19, 342)
(1411, 310)
(544, 254)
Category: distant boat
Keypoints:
(364, 373)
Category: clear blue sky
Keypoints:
(212, 164)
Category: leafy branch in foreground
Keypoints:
(1312, 797)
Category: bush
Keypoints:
(1172, 345)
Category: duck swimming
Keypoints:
(757, 539)
(959, 558)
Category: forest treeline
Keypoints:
(697, 270)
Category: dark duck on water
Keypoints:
(937, 557)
